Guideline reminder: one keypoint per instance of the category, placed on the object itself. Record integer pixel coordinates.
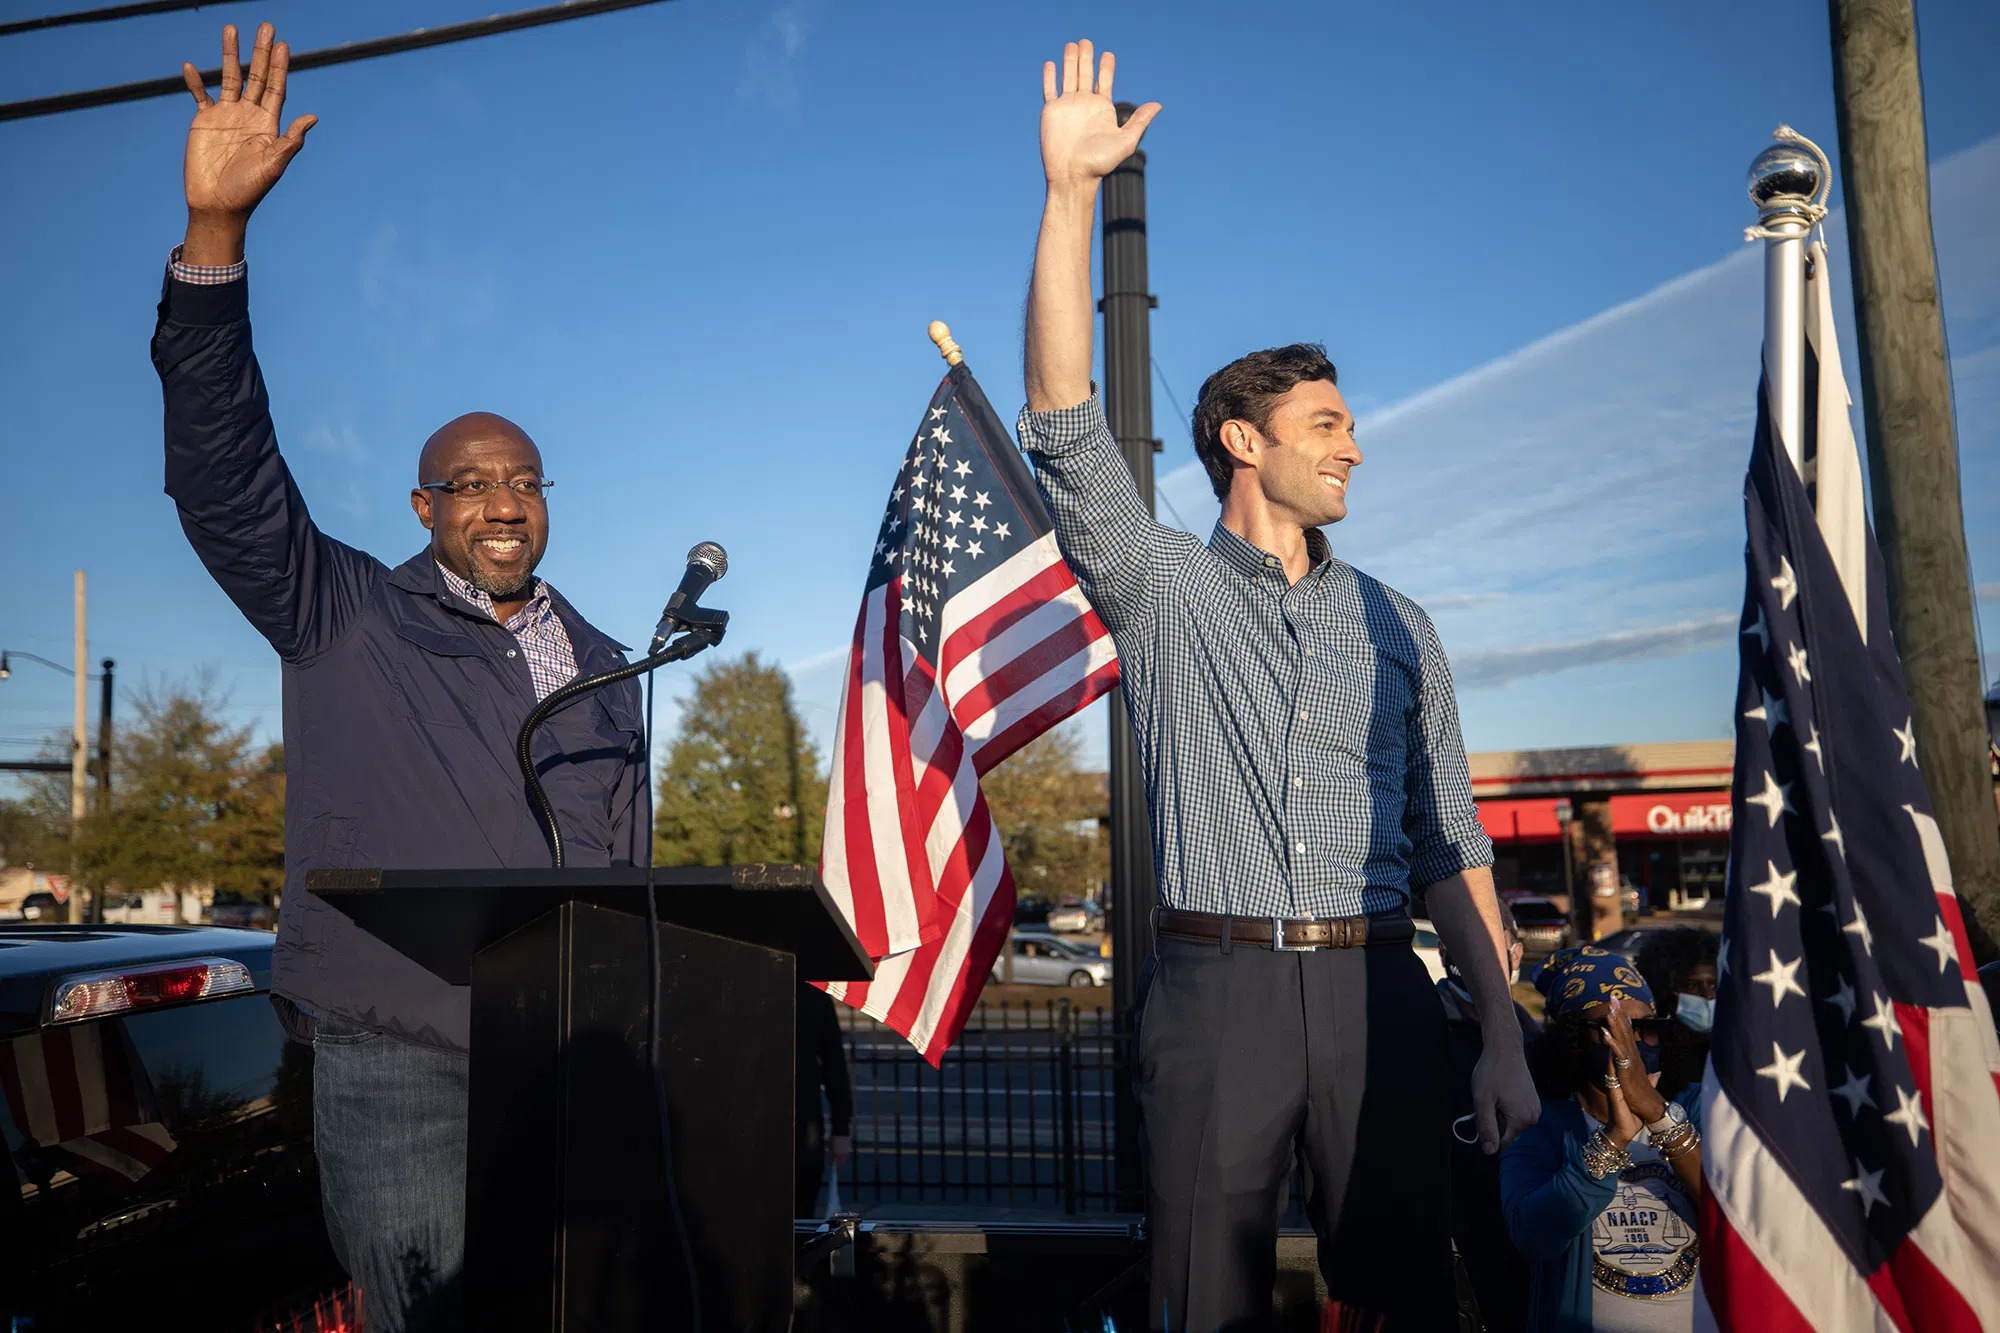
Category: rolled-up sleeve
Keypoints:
(1439, 815)
(1114, 546)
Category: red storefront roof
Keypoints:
(1662, 814)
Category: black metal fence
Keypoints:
(1019, 1115)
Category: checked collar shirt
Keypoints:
(536, 627)
(1300, 742)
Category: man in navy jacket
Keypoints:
(404, 690)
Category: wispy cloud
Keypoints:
(1986, 592)
(340, 442)
(771, 61)
(1594, 477)
(817, 661)
(1487, 667)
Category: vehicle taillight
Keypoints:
(94, 994)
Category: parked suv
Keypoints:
(1544, 926)
(156, 1134)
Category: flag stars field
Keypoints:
(1784, 1071)
(1855, 1090)
(1782, 978)
(1777, 888)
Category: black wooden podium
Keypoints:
(567, 1224)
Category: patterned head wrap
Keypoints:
(1569, 979)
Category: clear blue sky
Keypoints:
(693, 249)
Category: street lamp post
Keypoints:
(1565, 812)
(78, 743)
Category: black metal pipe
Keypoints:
(1128, 407)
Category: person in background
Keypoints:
(820, 1054)
(1495, 1269)
(1679, 966)
(1600, 1194)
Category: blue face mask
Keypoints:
(1649, 1057)
(1696, 1012)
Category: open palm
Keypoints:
(234, 151)
(1081, 137)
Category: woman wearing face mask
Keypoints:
(1679, 966)
(1600, 1195)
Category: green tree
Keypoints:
(194, 802)
(1048, 811)
(742, 780)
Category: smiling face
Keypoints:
(1302, 460)
(495, 541)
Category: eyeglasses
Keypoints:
(478, 488)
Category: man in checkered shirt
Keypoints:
(404, 691)
(1306, 779)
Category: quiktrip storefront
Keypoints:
(1656, 816)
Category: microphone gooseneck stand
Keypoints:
(704, 629)
(698, 637)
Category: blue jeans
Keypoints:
(389, 1127)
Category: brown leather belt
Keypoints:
(1288, 933)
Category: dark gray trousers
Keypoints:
(1245, 1055)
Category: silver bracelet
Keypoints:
(1601, 1159)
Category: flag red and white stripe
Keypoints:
(80, 1090)
(1851, 1106)
(963, 652)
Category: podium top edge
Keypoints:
(749, 876)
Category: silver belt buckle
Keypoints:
(1278, 944)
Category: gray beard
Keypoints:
(497, 588)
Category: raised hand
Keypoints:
(234, 151)
(1640, 1094)
(1082, 141)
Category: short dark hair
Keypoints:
(1244, 390)
(1667, 956)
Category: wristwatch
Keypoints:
(1675, 1116)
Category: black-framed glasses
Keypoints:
(478, 488)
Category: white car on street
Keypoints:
(1045, 960)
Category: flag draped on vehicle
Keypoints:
(1851, 1154)
(973, 639)
(81, 1093)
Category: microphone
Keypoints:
(706, 563)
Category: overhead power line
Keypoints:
(344, 54)
(104, 15)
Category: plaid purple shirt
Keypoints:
(205, 275)
(536, 627)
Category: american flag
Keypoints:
(82, 1093)
(1852, 1102)
(973, 639)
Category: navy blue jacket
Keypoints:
(401, 702)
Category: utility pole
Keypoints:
(79, 761)
(1128, 409)
(1912, 449)
(103, 768)
(107, 666)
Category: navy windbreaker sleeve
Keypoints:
(238, 503)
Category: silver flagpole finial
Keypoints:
(1789, 182)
